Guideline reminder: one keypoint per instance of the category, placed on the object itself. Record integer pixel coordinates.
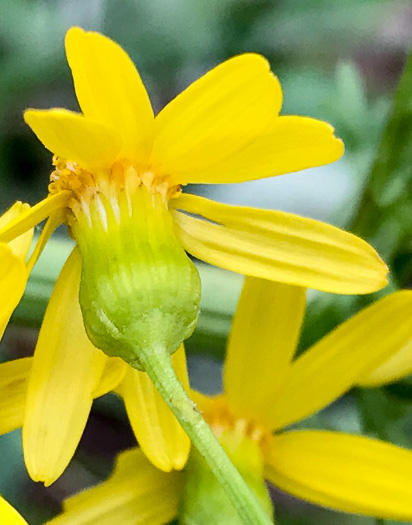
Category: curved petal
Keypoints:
(215, 117)
(265, 331)
(66, 371)
(19, 246)
(343, 472)
(135, 494)
(9, 515)
(52, 223)
(113, 374)
(14, 376)
(73, 137)
(289, 144)
(30, 217)
(334, 364)
(158, 432)
(278, 246)
(109, 90)
(13, 279)
(396, 367)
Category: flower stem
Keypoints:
(157, 364)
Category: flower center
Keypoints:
(121, 178)
(243, 441)
(222, 420)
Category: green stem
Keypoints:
(157, 364)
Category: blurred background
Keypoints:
(338, 61)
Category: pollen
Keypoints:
(122, 178)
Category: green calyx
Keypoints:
(204, 500)
(138, 287)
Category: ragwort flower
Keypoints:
(117, 179)
(117, 184)
(267, 390)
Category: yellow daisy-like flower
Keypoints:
(266, 390)
(116, 158)
(116, 183)
(9, 515)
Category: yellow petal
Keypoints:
(13, 279)
(289, 144)
(113, 374)
(279, 246)
(262, 342)
(396, 367)
(215, 117)
(21, 245)
(157, 430)
(348, 473)
(52, 223)
(14, 376)
(109, 90)
(73, 137)
(66, 371)
(8, 515)
(13, 387)
(30, 217)
(336, 362)
(136, 493)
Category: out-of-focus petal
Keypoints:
(66, 371)
(215, 117)
(109, 90)
(73, 137)
(30, 217)
(344, 472)
(9, 515)
(336, 362)
(21, 245)
(14, 376)
(157, 430)
(289, 144)
(278, 246)
(262, 342)
(135, 494)
(396, 367)
(13, 278)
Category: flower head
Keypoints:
(265, 390)
(117, 182)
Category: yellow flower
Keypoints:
(116, 183)
(8, 515)
(267, 390)
(224, 128)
